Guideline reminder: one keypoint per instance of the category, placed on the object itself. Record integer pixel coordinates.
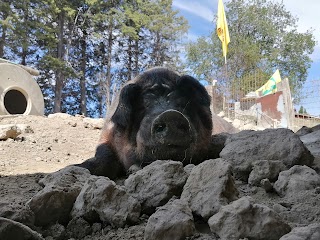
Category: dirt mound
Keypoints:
(43, 145)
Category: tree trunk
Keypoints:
(83, 99)
(109, 59)
(24, 52)
(136, 58)
(59, 73)
(157, 50)
(58, 92)
(129, 76)
(3, 36)
(100, 94)
(2, 41)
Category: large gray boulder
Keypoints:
(311, 232)
(243, 148)
(156, 183)
(55, 201)
(245, 219)
(209, 186)
(100, 197)
(172, 221)
(10, 229)
(296, 179)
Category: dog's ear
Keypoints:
(128, 98)
(191, 87)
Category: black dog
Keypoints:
(159, 115)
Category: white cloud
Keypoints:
(199, 8)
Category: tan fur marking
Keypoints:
(107, 133)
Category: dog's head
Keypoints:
(163, 115)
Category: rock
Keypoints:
(10, 229)
(55, 201)
(217, 144)
(78, 228)
(72, 123)
(265, 169)
(101, 198)
(266, 185)
(246, 147)
(96, 227)
(93, 123)
(303, 131)
(60, 115)
(188, 168)
(65, 175)
(306, 130)
(296, 179)
(18, 213)
(312, 142)
(172, 221)
(316, 164)
(9, 131)
(311, 232)
(133, 169)
(56, 231)
(209, 186)
(156, 183)
(316, 128)
(245, 219)
(279, 208)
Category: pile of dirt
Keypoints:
(266, 185)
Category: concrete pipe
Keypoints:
(19, 92)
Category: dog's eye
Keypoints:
(149, 93)
(170, 94)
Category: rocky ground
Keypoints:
(265, 185)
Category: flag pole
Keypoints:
(223, 34)
(227, 83)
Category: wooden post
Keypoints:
(288, 105)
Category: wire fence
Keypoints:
(307, 111)
(237, 101)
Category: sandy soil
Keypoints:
(55, 143)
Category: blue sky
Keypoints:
(200, 15)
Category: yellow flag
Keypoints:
(271, 85)
(222, 29)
